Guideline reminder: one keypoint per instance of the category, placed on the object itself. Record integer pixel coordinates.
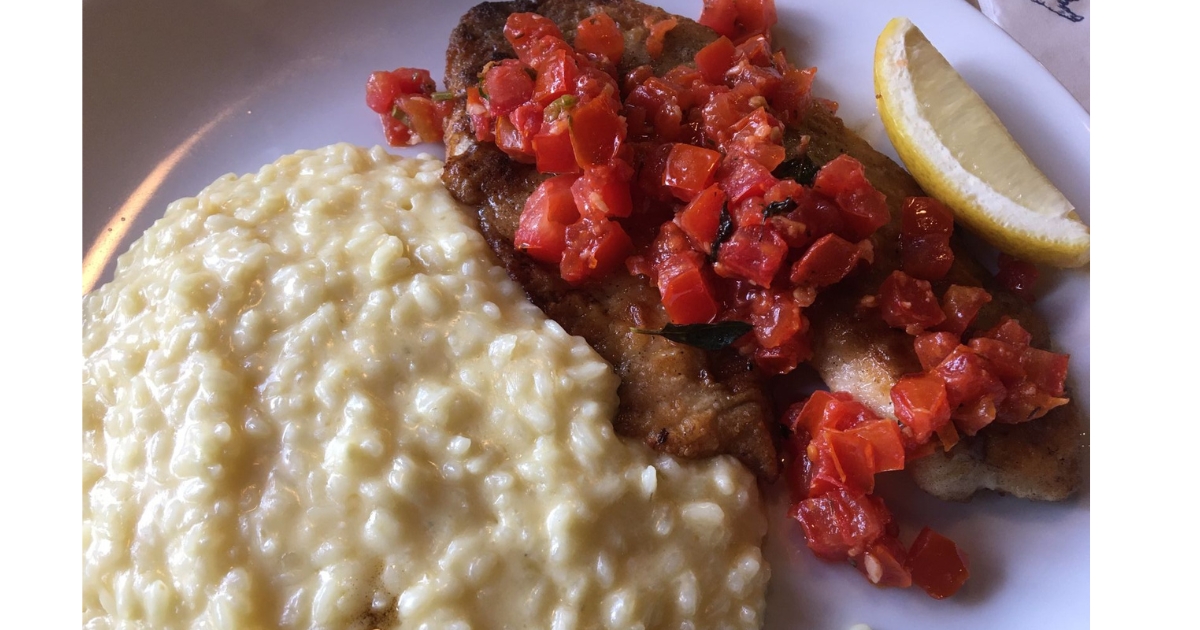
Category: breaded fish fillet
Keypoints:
(693, 403)
(676, 398)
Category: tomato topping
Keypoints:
(741, 178)
(715, 59)
(839, 524)
(925, 229)
(909, 303)
(1009, 330)
(776, 318)
(1018, 276)
(887, 444)
(736, 19)
(961, 305)
(681, 278)
(603, 191)
(599, 34)
(541, 231)
(508, 85)
(863, 209)
(759, 137)
(920, 402)
(1047, 370)
(924, 216)
(937, 564)
(423, 117)
(556, 75)
(481, 118)
(933, 348)
(884, 563)
(753, 253)
(653, 109)
(689, 170)
(515, 132)
(967, 377)
(595, 247)
(721, 16)
(701, 218)
(596, 132)
(522, 30)
(552, 148)
(794, 95)
(1004, 359)
(827, 261)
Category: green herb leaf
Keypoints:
(556, 109)
(776, 208)
(801, 169)
(442, 96)
(704, 336)
(401, 115)
(724, 231)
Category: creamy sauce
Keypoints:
(311, 400)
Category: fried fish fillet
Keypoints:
(676, 398)
(693, 403)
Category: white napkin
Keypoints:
(1056, 32)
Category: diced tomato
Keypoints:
(961, 304)
(753, 253)
(721, 16)
(933, 348)
(1009, 330)
(765, 80)
(681, 279)
(552, 149)
(701, 218)
(853, 459)
(937, 564)
(838, 524)
(741, 178)
(920, 402)
(656, 40)
(886, 442)
(724, 110)
(509, 84)
(1004, 359)
(653, 110)
(596, 132)
(523, 29)
(1047, 370)
(884, 563)
(541, 231)
(759, 137)
(423, 116)
(715, 59)
(382, 89)
(794, 95)
(784, 358)
(947, 435)
(636, 77)
(556, 76)
(689, 170)
(481, 118)
(515, 132)
(595, 247)
(976, 414)
(395, 131)
(756, 16)
(827, 261)
(1024, 402)
(756, 50)
(909, 303)
(603, 191)
(926, 257)
(599, 34)
(776, 318)
(828, 410)
(819, 213)
(863, 209)
(967, 377)
(1018, 276)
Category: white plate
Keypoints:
(178, 93)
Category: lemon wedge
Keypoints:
(960, 152)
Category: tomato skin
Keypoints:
(396, 132)
(926, 257)
(680, 276)
(382, 88)
(741, 178)
(595, 248)
(839, 523)
(552, 149)
(603, 191)
(924, 216)
(701, 218)
(657, 39)
(1009, 330)
(961, 304)
(689, 170)
(424, 117)
(596, 132)
(909, 303)
(753, 253)
(933, 348)
(522, 30)
(654, 111)
(776, 317)
(721, 16)
(794, 95)
(508, 85)
(921, 403)
(556, 76)
(481, 118)
(887, 443)
(715, 59)
(863, 209)
(884, 563)
(968, 378)
(937, 565)
(515, 132)
(826, 262)
(541, 231)
(599, 34)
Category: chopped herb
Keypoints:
(704, 336)
(724, 231)
(443, 96)
(560, 105)
(776, 208)
(401, 115)
(800, 169)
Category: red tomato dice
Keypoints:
(689, 170)
(937, 564)
(541, 231)
(599, 34)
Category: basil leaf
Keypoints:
(776, 208)
(724, 231)
(800, 169)
(704, 336)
